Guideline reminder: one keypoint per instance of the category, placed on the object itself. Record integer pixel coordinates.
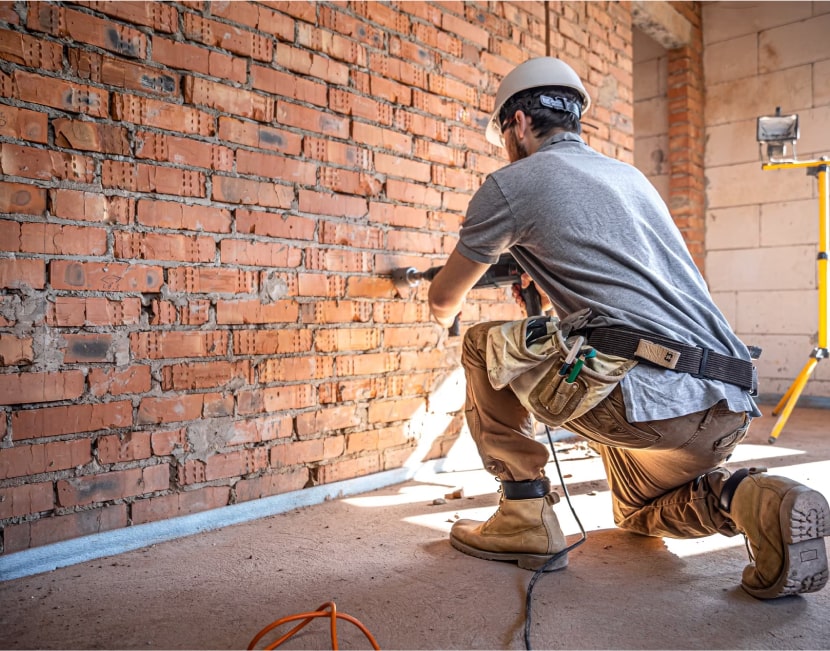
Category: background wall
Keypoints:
(651, 111)
(201, 206)
(762, 227)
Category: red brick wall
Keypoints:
(202, 204)
(686, 137)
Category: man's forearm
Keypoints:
(449, 288)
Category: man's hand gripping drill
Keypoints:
(504, 273)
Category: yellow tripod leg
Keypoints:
(791, 397)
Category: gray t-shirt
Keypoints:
(593, 232)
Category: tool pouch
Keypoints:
(531, 367)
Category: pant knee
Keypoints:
(474, 346)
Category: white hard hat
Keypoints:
(533, 73)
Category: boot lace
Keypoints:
(500, 491)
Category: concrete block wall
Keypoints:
(202, 203)
(762, 226)
(651, 111)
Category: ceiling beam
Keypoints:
(662, 22)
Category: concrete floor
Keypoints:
(383, 557)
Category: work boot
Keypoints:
(785, 523)
(523, 529)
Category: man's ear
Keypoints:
(522, 125)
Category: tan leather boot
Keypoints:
(785, 523)
(524, 530)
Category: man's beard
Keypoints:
(521, 149)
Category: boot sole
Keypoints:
(805, 521)
(525, 561)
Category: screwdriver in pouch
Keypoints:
(577, 367)
(572, 353)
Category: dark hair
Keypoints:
(544, 119)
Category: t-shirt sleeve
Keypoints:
(489, 228)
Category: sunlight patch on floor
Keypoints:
(424, 493)
(442, 520)
(751, 452)
(594, 512)
(686, 548)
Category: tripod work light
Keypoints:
(777, 135)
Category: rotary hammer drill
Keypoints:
(504, 273)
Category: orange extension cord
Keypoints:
(320, 612)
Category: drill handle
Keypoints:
(532, 299)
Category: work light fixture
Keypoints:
(777, 135)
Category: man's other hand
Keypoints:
(517, 288)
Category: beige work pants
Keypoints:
(664, 475)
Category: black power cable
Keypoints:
(556, 556)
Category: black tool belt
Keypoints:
(667, 353)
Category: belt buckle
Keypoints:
(704, 360)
